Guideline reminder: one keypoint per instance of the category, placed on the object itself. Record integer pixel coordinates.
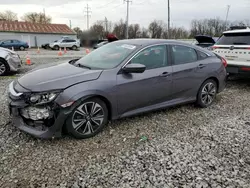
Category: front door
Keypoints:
(138, 90)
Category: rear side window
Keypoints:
(234, 39)
(202, 55)
(183, 54)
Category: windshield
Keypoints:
(108, 56)
(234, 39)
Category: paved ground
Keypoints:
(179, 147)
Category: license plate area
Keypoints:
(233, 69)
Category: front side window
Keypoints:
(152, 57)
(183, 54)
(108, 56)
(234, 39)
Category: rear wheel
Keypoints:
(74, 47)
(22, 48)
(4, 68)
(87, 119)
(207, 93)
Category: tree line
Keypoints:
(32, 17)
(156, 29)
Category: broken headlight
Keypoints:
(43, 98)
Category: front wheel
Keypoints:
(87, 119)
(4, 68)
(207, 93)
(56, 47)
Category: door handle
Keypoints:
(165, 74)
(200, 66)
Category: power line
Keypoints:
(88, 12)
(128, 2)
(103, 6)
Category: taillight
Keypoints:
(224, 62)
(214, 47)
(248, 48)
(245, 68)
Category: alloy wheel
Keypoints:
(2, 68)
(208, 93)
(87, 118)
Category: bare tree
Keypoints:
(8, 15)
(212, 27)
(134, 31)
(78, 31)
(35, 17)
(155, 29)
(119, 29)
(144, 33)
(97, 30)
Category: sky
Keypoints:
(141, 11)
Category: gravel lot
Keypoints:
(180, 147)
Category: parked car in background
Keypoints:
(120, 79)
(205, 41)
(9, 61)
(234, 46)
(65, 43)
(46, 45)
(110, 38)
(100, 44)
(16, 44)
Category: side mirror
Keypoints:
(134, 68)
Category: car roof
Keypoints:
(147, 42)
(238, 31)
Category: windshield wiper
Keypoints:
(83, 66)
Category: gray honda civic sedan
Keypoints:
(121, 79)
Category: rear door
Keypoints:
(188, 71)
(64, 43)
(235, 48)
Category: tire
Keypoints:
(74, 47)
(56, 47)
(4, 67)
(22, 48)
(84, 122)
(207, 93)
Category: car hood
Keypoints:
(55, 77)
(205, 39)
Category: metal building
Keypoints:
(34, 34)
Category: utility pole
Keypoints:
(228, 8)
(106, 24)
(169, 19)
(127, 1)
(70, 24)
(88, 12)
(44, 19)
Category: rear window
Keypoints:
(234, 39)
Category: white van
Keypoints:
(234, 46)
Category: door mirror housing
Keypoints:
(134, 68)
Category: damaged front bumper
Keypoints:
(28, 118)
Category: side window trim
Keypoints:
(166, 58)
